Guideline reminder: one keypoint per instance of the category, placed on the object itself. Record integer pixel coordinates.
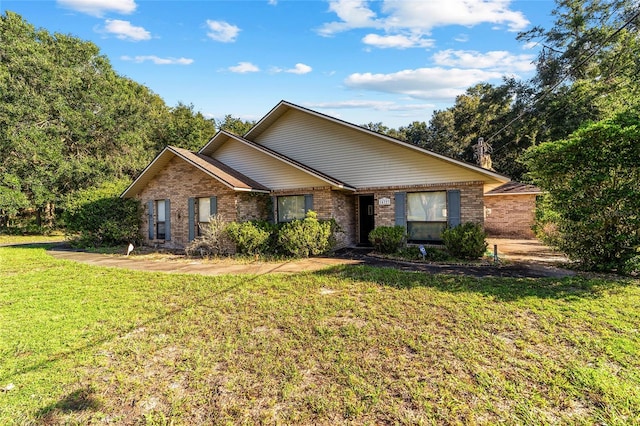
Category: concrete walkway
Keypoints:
(179, 265)
(520, 258)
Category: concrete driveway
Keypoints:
(530, 251)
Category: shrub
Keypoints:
(253, 237)
(388, 239)
(466, 241)
(302, 238)
(99, 217)
(632, 266)
(213, 241)
(591, 177)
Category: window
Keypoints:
(293, 207)
(204, 213)
(200, 211)
(160, 220)
(426, 215)
(204, 209)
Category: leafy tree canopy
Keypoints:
(235, 125)
(593, 179)
(69, 122)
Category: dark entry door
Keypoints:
(367, 221)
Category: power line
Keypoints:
(556, 85)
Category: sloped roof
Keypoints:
(214, 168)
(220, 137)
(515, 188)
(283, 106)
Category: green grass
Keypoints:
(83, 344)
(29, 239)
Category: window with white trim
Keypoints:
(426, 216)
(161, 223)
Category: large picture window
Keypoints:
(290, 208)
(426, 216)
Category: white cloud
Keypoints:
(244, 67)
(422, 83)
(352, 13)
(100, 7)
(222, 31)
(426, 15)
(396, 41)
(157, 60)
(375, 105)
(125, 31)
(494, 60)
(530, 45)
(300, 69)
(400, 17)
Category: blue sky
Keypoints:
(389, 61)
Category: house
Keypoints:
(294, 160)
(510, 210)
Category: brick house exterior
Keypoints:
(510, 210)
(295, 160)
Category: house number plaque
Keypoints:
(384, 201)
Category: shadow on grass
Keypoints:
(500, 288)
(75, 402)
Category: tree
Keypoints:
(69, 122)
(586, 71)
(588, 55)
(382, 129)
(235, 125)
(185, 128)
(482, 111)
(593, 180)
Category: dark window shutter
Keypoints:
(453, 208)
(271, 214)
(191, 211)
(401, 208)
(308, 202)
(167, 219)
(150, 213)
(213, 206)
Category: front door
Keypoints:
(367, 220)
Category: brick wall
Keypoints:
(510, 215)
(178, 182)
(322, 199)
(252, 206)
(344, 212)
(471, 200)
(329, 204)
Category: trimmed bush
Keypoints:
(213, 240)
(466, 241)
(388, 239)
(307, 237)
(99, 217)
(255, 237)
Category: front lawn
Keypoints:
(82, 344)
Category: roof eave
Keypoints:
(489, 194)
